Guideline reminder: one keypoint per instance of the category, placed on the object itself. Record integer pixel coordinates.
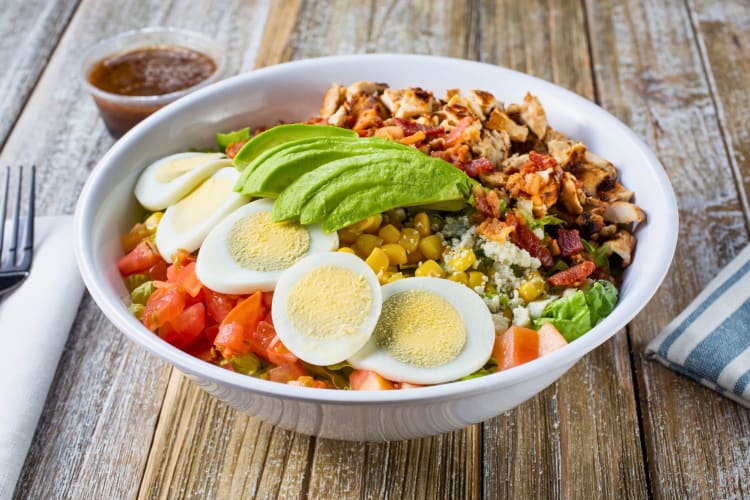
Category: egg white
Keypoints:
(217, 269)
(323, 352)
(170, 237)
(155, 194)
(480, 336)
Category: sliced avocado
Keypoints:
(291, 200)
(378, 199)
(282, 134)
(400, 176)
(280, 170)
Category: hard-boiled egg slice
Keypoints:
(186, 223)
(430, 331)
(248, 251)
(167, 180)
(326, 306)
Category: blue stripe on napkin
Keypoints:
(710, 340)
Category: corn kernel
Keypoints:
(378, 260)
(430, 268)
(476, 279)
(368, 224)
(396, 253)
(463, 260)
(459, 278)
(415, 257)
(389, 233)
(153, 221)
(346, 250)
(365, 243)
(409, 239)
(422, 224)
(432, 247)
(348, 235)
(531, 289)
(390, 277)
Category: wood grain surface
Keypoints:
(119, 423)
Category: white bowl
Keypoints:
(294, 91)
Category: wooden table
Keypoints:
(119, 423)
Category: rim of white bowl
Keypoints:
(118, 314)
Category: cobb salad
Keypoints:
(393, 241)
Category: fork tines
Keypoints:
(15, 260)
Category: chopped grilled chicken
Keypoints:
(332, 100)
(392, 99)
(616, 193)
(571, 196)
(599, 162)
(566, 152)
(495, 178)
(532, 114)
(341, 117)
(493, 145)
(515, 162)
(498, 120)
(364, 87)
(623, 245)
(622, 212)
(481, 102)
(414, 102)
(591, 177)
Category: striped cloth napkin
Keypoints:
(710, 340)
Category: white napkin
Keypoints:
(34, 323)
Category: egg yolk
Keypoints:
(329, 302)
(420, 328)
(256, 242)
(200, 204)
(175, 168)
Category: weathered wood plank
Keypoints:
(580, 437)
(31, 30)
(649, 72)
(98, 423)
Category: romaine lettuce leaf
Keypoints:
(578, 312)
(225, 140)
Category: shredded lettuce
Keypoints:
(578, 312)
(142, 292)
(488, 369)
(225, 140)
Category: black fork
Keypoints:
(15, 261)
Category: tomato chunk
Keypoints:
(140, 259)
(287, 372)
(218, 304)
(164, 305)
(367, 380)
(515, 346)
(189, 324)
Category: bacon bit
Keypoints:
(572, 276)
(413, 139)
(569, 241)
(234, 148)
(410, 127)
(476, 167)
(525, 238)
(495, 229)
(487, 202)
(367, 120)
(457, 155)
(538, 162)
(458, 131)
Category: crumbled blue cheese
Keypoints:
(510, 262)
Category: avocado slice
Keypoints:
(283, 134)
(433, 179)
(291, 200)
(278, 171)
(377, 199)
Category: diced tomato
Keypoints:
(262, 338)
(189, 324)
(218, 304)
(247, 312)
(515, 346)
(366, 380)
(267, 299)
(287, 372)
(278, 354)
(210, 333)
(550, 339)
(230, 340)
(184, 276)
(140, 259)
(158, 271)
(164, 305)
